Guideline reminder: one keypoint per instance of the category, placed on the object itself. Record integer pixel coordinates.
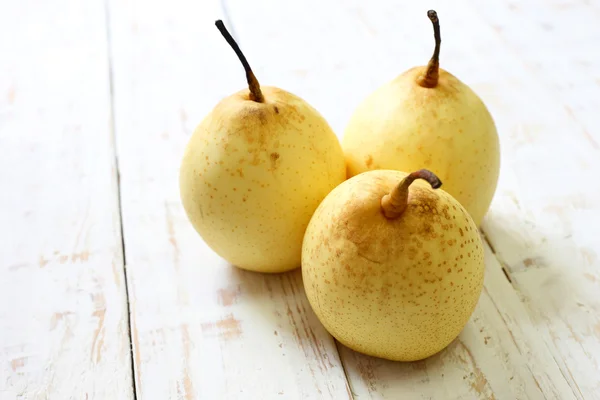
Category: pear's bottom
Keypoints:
(251, 251)
(390, 357)
(417, 355)
(266, 268)
(387, 337)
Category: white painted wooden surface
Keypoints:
(203, 329)
(63, 308)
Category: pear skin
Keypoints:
(254, 171)
(392, 267)
(427, 118)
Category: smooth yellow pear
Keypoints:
(391, 267)
(428, 118)
(255, 170)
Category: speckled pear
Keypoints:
(428, 118)
(254, 171)
(392, 266)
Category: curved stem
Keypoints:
(253, 85)
(430, 79)
(394, 203)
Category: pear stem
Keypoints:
(431, 77)
(394, 203)
(253, 85)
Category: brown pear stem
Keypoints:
(253, 85)
(431, 77)
(394, 203)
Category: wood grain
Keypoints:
(63, 310)
(201, 328)
(533, 334)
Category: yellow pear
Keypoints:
(255, 170)
(428, 118)
(391, 267)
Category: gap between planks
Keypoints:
(502, 263)
(113, 133)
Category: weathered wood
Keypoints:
(63, 309)
(201, 328)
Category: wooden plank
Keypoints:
(201, 328)
(536, 337)
(63, 314)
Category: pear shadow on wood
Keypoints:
(279, 303)
(281, 295)
(453, 364)
(259, 286)
(541, 264)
